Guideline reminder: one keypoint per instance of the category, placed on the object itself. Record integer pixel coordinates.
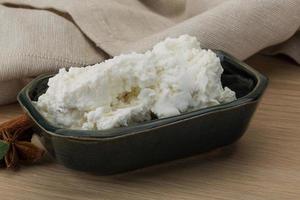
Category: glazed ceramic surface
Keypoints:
(126, 148)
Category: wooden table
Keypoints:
(264, 164)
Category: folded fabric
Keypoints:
(43, 36)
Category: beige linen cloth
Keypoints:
(38, 36)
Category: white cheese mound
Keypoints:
(176, 76)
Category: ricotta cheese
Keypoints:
(176, 76)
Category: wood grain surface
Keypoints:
(264, 164)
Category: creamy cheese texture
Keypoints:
(175, 77)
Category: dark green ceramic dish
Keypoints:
(127, 148)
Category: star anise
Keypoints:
(17, 134)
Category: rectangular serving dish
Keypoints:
(126, 148)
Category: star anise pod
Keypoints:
(17, 134)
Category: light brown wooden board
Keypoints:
(264, 164)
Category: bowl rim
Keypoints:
(252, 97)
